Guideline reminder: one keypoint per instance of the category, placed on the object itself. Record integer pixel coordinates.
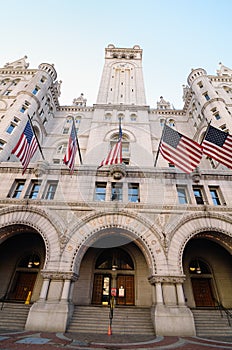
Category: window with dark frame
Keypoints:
(17, 189)
(50, 190)
(198, 195)
(133, 192)
(100, 191)
(34, 190)
(182, 194)
(215, 195)
(116, 191)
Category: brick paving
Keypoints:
(51, 341)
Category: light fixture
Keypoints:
(114, 267)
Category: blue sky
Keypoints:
(175, 35)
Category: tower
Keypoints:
(122, 77)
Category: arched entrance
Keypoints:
(114, 273)
(208, 268)
(21, 259)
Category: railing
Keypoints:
(222, 309)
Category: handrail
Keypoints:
(227, 312)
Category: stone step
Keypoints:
(125, 320)
(210, 323)
(13, 316)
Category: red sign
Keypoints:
(113, 292)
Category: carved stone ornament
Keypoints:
(196, 175)
(118, 171)
(55, 275)
(166, 279)
(41, 168)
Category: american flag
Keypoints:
(217, 144)
(180, 150)
(69, 158)
(115, 154)
(26, 146)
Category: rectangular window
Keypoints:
(133, 192)
(116, 193)
(206, 96)
(100, 191)
(33, 190)
(10, 128)
(35, 91)
(17, 189)
(198, 195)
(214, 191)
(182, 194)
(50, 190)
(23, 109)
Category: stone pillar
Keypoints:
(170, 315)
(53, 310)
(159, 294)
(65, 291)
(44, 289)
(180, 294)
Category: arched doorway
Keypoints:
(22, 257)
(114, 273)
(208, 268)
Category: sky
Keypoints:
(175, 35)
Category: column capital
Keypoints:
(166, 279)
(56, 275)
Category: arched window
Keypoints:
(171, 122)
(116, 259)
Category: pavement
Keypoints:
(24, 340)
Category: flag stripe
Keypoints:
(180, 150)
(115, 154)
(69, 158)
(26, 146)
(217, 145)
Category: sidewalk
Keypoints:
(51, 341)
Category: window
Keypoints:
(100, 191)
(2, 143)
(217, 116)
(35, 91)
(61, 149)
(198, 195)
(171, 122)
(182, 194)
(116, 193)
(206, 96)
(215, 195)
(7, 92)
(34, 190)
(17, 189)
(50, 190)
(200, 84)
(133, 192)
(10, 128)
(65, 131)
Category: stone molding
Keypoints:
(166, 279)
(55, 275)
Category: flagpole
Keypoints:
(161, 139)
(40, 149)
(78, 146)
(206, 131)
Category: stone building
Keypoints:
(163, 241)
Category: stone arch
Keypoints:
(39, 221)
(147, 236)
(191, 226)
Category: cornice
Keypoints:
(75, 109)
(18, 71)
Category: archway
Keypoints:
(22, 256)
(207, 266)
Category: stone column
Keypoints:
(180, 294)
(65, 291)
(159, 294)
(44, 289)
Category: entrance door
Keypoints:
(22, 285)
(202, 292)
(101, 289)
(127, 282)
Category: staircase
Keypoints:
(13, 316)
(209, 323)
(126, 320)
